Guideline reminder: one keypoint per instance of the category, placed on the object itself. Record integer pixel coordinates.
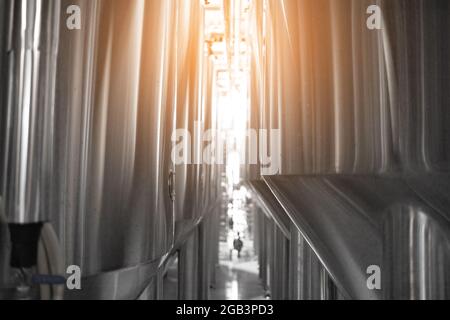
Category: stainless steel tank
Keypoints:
(30, 48)
(90, 115)
(361, 115)
(114, 211)
(190, 58)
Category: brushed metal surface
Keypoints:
(348, 99)
(190, 58)
(105, 144)
(87, 117)
(416, 253)
(110, 212)
(353, 222)
(123, 284)
(272, 208)
(351, 104)
(30, 48)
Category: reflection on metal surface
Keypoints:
(361, 118)
(121, 284)
(416, 251)
(353, 222)
(87, 134)
(32, 38)
(86, 123)
(271, 206)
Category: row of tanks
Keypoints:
(87, 117)
(359, 208)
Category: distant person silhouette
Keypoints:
(238, 244)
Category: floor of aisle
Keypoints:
(237, 278)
